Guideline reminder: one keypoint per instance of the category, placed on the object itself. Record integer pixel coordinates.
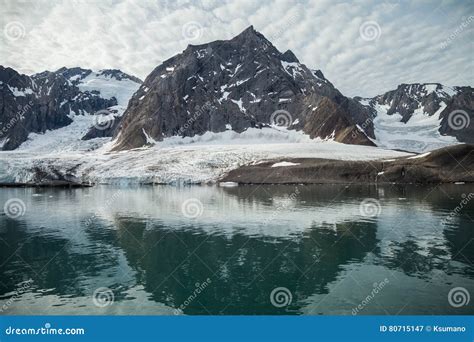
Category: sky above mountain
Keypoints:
(365, 47)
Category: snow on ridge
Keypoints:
(292, 69)
(450, 91)
(430, 88)
(240, 104)
(18, 92)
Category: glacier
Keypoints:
(175, 160)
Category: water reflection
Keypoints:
(247, 241)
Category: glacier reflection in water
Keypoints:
(211, 250)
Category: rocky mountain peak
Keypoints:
(250, 35)
(227, 84)
(73, 74)
(289, 57)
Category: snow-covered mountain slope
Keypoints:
(109, 83)
(34, 105)
(197, 159)
(419, 134)
(422, 117)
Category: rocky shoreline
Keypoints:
(446, 165)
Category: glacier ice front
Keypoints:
(200, 159)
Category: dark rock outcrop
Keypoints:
(446, 165)
(457, 119)
(243, 82)
(329, 119)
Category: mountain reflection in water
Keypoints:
(153, 252)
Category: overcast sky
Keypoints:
(363, 47)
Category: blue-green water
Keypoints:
(209, 250)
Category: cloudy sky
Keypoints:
(364, 47)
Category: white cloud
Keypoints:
(136, 36)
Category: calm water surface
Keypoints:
(209, 250)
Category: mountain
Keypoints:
(235, 85)
(420, 117)
(52, 100)
(226, 85)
